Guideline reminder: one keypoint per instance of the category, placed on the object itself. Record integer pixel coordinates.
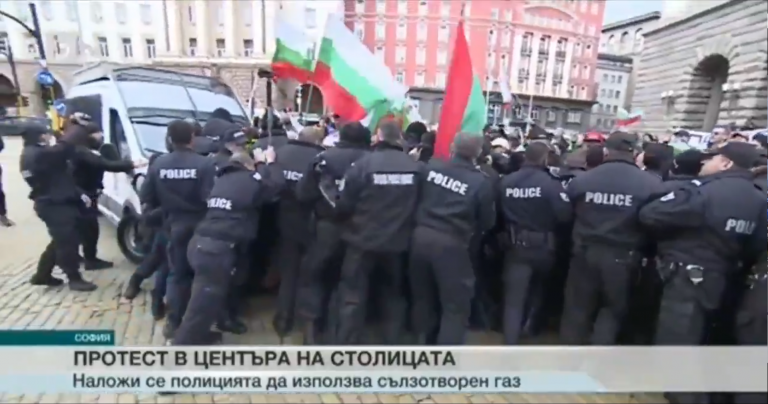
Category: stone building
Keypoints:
(704, 65)
(613, 79)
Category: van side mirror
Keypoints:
(109, 152)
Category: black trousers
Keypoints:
(751, 330)
(354, 287)
(318, 277)
(214, 265)
(61, 222)
(181, 273)
(290, 256)
(442, 286)
(3, 206)
(597, 292)
(526, 272)
(89, 229)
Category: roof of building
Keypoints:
(655, 15)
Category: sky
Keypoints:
(617, 10)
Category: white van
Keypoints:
(134, 106)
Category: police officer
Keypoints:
(457, 201)
(377, 202)
(179, 182)
(294, 221)
(326, 172)
(533, 204)
(718, 222)
(751, 320)
(606, 243)
(233, 213)
(57, 200)
(89, 169)
(4, 221)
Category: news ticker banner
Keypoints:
(366, 370)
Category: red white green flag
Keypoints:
(464, 105)
(294, 53)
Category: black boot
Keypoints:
(232, 325)
(158, 308)
(95, 264)
(45, 280)
(282, 324)
(169, 331)
(133, 288)
(81, 285)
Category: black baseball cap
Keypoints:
(743, 155)
(622, 141)
(234, 135)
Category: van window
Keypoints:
(117, 134)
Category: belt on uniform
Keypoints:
(528, 238)
(694, 272)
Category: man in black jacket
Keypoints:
(4, 221)
(89, 169)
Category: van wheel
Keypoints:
(128, 239)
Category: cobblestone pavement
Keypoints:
(23, 306)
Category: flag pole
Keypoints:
(529, 121)
(488, 85)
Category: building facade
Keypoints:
(547, 49)
(704, 67)
(625, 38)
(613, 76)
(228, 38)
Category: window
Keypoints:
(491, 38)
(248, 50)
(615, 109)
(421, 31)
(32, 48)
(419, 79)
(574, 117)
(360, 6)
(247, 12)
(583, 93)
(610, 93)
(605, 78)
(127, 48)
(602, 92)
(151, 49)
(145, 10)
(494, 13)
(402, 31)
(192, 47)
(588, 50)
(577, 49)
(534, 113)
(609, 123)
(191, 16)
(220, 14)
(619, 79)
(117, 134)
(103, 46)
(400, 54)
(360, 30)
(381, 31)
(490, 60)
(4, 43)
(423, 8)
(121, 13)
(381, 6)
(57, 45)
(400, 76)
(445, 9)
(598, 123)
(551, 116)
(585, 72)
(440, 79)
(617, 94)
(506, 38)
(442, 57)
(46, 8)
(421, 56)
(221, 47)
(504, 61)
(72, 11)
(518, 112)
(402, 6)
(575, 71)
(96, 12)
(508, 15)
(442, 33)
(380, 52)
(310, 18)
(613, 78)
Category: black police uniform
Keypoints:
(456, 202)
(377, 203)
(751, 321)
(57, 202)
(716, 224)
(233, 214)
(295, 224)
(89, 170)
(179, 182)
(317, 278)
(3, 205)
(533, 204)
(606, 246)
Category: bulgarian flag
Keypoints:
(294, 53)
(354, 82)
(463, 106)
(625, 118)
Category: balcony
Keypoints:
(526, 51)
(544, 51)
(541, 77)
(557, 78)
(523, 74)
(560, 54)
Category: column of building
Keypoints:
(533, 67)
(202, 23)
(230, 29)
(550, 67)
(517, 56)
(174, 44)
(567, 70)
